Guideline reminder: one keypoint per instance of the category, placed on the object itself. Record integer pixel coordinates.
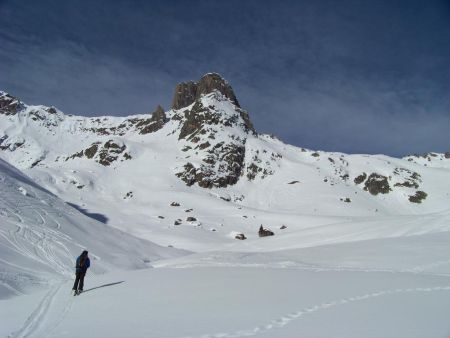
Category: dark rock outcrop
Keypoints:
(91, 151)
(231, 158)
(264, 232)
(110, 152)
(9, 105)
(155, 123)
(377, 184)
(187, 93)
(407, 184)
(221, 163)
(104, 154)
(418, 197)
(240, 236)
(361, 178)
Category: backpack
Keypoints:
(81, 262)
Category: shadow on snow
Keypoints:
(102, 286)
(96, 216)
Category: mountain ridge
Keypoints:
(208, 154)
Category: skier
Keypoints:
(81, 267)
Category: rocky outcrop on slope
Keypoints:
(11, 143)
(360, 178)
(214, 132)
(216, 170)
(431, 159)
(261, 164)
(153, 124)
(411, 179)
(418, 197)
(105, 154)
(377, 184)
(143, 126)
(401, 179)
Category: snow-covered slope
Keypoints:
(205, 155)
(40, 237)
(379, 288)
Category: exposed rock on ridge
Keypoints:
(9, 105)
(155, 123)
(187, 93)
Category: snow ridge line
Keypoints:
(37, 317)
(286, 319)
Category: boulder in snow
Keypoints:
(240, 237)
(264, 232)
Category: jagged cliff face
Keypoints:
(213, 130)
(9, 105)
(187, 93)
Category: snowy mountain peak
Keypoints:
(187, 92)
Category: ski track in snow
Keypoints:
(37, 231)
(424, 267)
(417, 270)
(286, 319)
(36, 321)
(61, 317)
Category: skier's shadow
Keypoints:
(102, 286)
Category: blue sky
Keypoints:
(351, 76)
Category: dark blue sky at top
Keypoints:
(351, 76)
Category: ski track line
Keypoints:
(313, 268)
(37, 317)
(422, 268)
(286, 319)
(44, 240)
(60, 318)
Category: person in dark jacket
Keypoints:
(83, 263)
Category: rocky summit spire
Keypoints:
(187, 92)
(9, 105)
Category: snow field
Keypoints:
(242, 302)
